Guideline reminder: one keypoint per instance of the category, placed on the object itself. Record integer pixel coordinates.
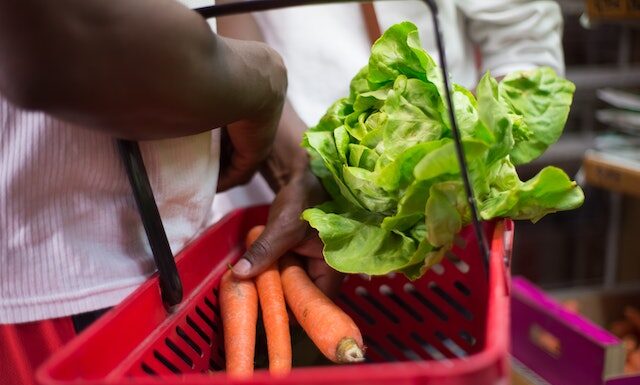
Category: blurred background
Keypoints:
(596, 245)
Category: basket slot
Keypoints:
(179, 353)
(199, 330)
(407, 351)
(147, 369)
(437, 268)
(455, 305)
(468, 338)
(210, 305)
(453, 347)
(428, 348)
(411, 289)
(185, 337)
(165, 362)
(376, 353)
(459, 264)
(388, 292)
(356, 309)
(207, 319)
(384, 345)
(362, 292)
(462, 288)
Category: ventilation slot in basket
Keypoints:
(206, 319)
(451, 345)
(428, 348)
(189, 341)
(409, 288)
(387, 291)
(145, 368)
(462, 288)
(183, 356)
(407, 352)
(211, 306)
(452, 302)
(356, 309)
(166, 363)
(461, 265)
(438, 269)
(362, 292)
(378, 350)
(198, 330)
(468, 338)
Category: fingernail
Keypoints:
(242, 267)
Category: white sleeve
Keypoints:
(515, 34)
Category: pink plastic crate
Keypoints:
(581, 352)
(449, 327)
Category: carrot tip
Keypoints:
(348, 351)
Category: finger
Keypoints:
(311, 247)
(324, 276)
(275, 240)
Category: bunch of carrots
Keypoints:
(331, 329)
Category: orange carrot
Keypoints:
(330, 328)
(239, 311)
(274, 314)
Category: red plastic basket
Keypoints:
(449, 327)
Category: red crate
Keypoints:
(449, 327)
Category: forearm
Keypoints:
(144, 69)
(288, 159)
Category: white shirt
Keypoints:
(324, 46)
(71, 239)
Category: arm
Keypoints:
(287, 171)
(145, 69)
(515, 34)
(288, 159)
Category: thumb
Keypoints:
(269, 245)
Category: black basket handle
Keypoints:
(170, 284)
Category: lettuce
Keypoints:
(386, 156)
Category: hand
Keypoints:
(246, 144)
(285, 232)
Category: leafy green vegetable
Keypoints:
(386, 156)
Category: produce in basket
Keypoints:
(274, 314)
(386, 155)
(328, 326)
(239, 311)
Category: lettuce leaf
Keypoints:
(386, 156)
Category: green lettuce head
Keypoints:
(386, 156)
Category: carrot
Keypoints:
(239, 311)
(330, 329)
(274, 314)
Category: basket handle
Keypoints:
(170, 284)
